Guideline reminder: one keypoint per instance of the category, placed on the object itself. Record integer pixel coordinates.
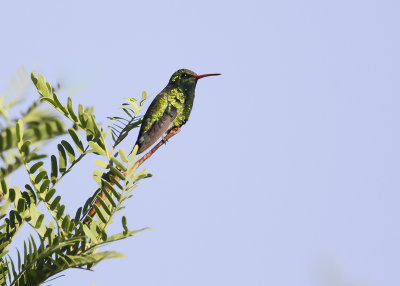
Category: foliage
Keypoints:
(62, 240)
(41, 125)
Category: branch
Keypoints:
(89, 217)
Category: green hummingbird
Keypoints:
(170, 108)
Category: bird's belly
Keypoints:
(170, 127)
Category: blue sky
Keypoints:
(287, 172)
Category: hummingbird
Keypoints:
(170, 108)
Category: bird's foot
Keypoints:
(164, 140)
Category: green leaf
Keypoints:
(11, 194)
(49, 88)
(25, 147)
(103, 205)
(120, 236)
(101, 164)
(119, 164)
(142, 174)
(126, 230)
(39, 221)
(98, 173)
(34, 213)
(18, 193)
(54, 168)
(71, 110)
(62, 159)
(21, 205)
(45, 185)
(97, 149)
(144, 97)
(35, 167)
(60, 211)
(100, 214)
(78, 215)
(71, 226)
(115, 182)
(81, 114)
(19, 260)
(50, 194)
(2, 252)
(96, 129)
(32, 193)
(96, 177)
(9, 138)
(89, 233)
(123, 155)
(59, 105)
(4, 187)
(70, 150)
(50, 101)
(117, 172)
(20, 130)
(65, 223)
(55, 203)
(12, 219)
(109, 198)
(34, 78)
(76, 139)
(133, 153)
(40, 176)
(41, 86)
(108, 186)
(94, 258)
(28, 198)
(13, 268)
(103, 235)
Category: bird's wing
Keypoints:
(158, 128)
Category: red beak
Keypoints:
(205, 75)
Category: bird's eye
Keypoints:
(185, 75)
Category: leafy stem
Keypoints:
(76, 161)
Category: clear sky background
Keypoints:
(287, 172)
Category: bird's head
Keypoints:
(187, 79)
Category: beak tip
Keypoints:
(205, 75)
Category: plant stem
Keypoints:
(102, 195)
